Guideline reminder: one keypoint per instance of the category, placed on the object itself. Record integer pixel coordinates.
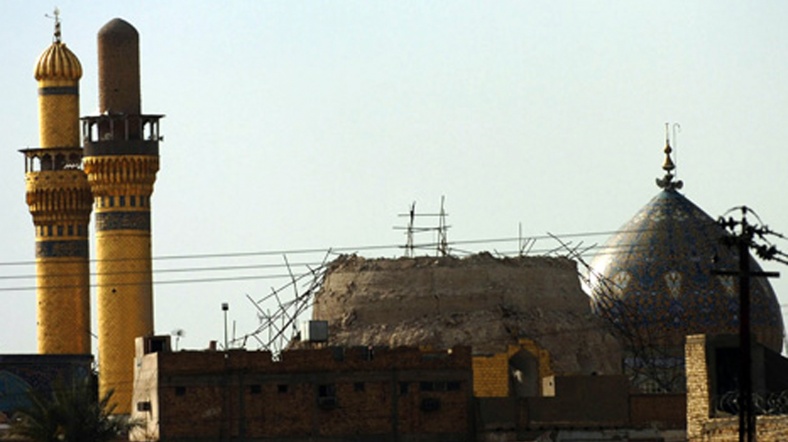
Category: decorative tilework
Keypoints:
(123, 221)
(667, 252)
(59, 90)
(62, 249)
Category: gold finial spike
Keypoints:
(668, 166)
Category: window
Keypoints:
(326, 396)
(112, 201)
(122, 200)
(157, 345)
(326, 390)
(281, 388)
(430, 404)
(133, 201)
(180, 391)
(143, 406)
(440, 385)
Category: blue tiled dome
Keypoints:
(655, 275)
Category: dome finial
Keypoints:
(57, 62)
(668, 166)
(56, 16)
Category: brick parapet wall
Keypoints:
(313, 394)
(334, 359)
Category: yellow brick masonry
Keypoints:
(491, 372)
(701, 426)
(59, 201)
(124, 281)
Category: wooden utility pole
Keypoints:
(743, 241)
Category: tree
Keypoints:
(71, 411)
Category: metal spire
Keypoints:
(668, 166)
(56, 16)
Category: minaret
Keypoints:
(121, 160)
(59, 199)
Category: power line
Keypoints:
(453, 247)
(339, 250)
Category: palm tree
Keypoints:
(70, 412)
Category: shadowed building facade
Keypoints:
(59, 200)
(121, 159)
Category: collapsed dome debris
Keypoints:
(479, 300)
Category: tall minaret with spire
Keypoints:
(121, 160)
(59, 200)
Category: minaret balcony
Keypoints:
(42, 159)
(120, 134)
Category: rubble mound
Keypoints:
(480, 300)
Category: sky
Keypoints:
(294, 127)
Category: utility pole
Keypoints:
(743, 241)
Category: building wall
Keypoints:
(595, 408)
(326, 394)
(491, 373)
(582, 401)
(702, 425)
(663, 411)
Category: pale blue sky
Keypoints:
(295, 125)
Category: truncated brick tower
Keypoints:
(121, 159)
(59, 199)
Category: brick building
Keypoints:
(328, 394)
(712, 371)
